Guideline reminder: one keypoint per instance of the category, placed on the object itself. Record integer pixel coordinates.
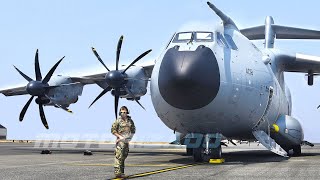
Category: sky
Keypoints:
(70, 28)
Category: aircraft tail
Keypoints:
(270, 31)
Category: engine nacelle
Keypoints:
(137, 82)
(287, 132)
(66, 93)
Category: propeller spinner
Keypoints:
(116, 79)
(37, 88)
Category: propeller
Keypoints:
(117, 79)
(38, 88)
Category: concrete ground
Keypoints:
(24, 161)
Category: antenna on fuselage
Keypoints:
(227, 21)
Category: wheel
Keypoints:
(297, 150)
(189, 151)
(198, 154)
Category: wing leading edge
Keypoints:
(295, 62)
(86, 79)
(15, 91)
(96, 78)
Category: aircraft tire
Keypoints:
(189, 151)
(198, 154)
(297, 150)
(216, 153)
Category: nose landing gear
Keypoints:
(210, 149)
(202, 155)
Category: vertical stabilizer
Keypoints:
(269, 33)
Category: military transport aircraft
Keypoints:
(210, 81)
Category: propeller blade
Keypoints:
(101, 94)
(116, 101)
(22, 74)
(137, 59)
(25, 108)
(37, 67)
(98, 57)
(131, 94)
(43, 117)
(118, 51)
(48, 76)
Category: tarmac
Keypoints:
(151, 161)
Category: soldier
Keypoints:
(123, 128)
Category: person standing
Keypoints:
(123, 128)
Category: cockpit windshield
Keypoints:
(183, 37)
(198, 36)
(204, 36)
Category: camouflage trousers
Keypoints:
(121, 153)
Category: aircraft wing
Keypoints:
(303, 63)
(289, 62)
(295, 62)
(15, 91)
(89, 79)
(86, 79)
(95, 78)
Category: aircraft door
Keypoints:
(257, 86)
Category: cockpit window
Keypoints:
(183, 37)
(204, 36)
(193, 36)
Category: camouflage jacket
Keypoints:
(125, 128)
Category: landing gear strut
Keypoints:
(200, 154)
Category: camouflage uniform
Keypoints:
(126, 129)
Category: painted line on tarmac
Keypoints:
(158, 171)
(127, 165)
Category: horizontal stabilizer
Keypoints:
(282, 32)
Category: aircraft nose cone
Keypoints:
(189, 79)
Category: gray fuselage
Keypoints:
(218, 86)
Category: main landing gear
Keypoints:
(295, 151)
